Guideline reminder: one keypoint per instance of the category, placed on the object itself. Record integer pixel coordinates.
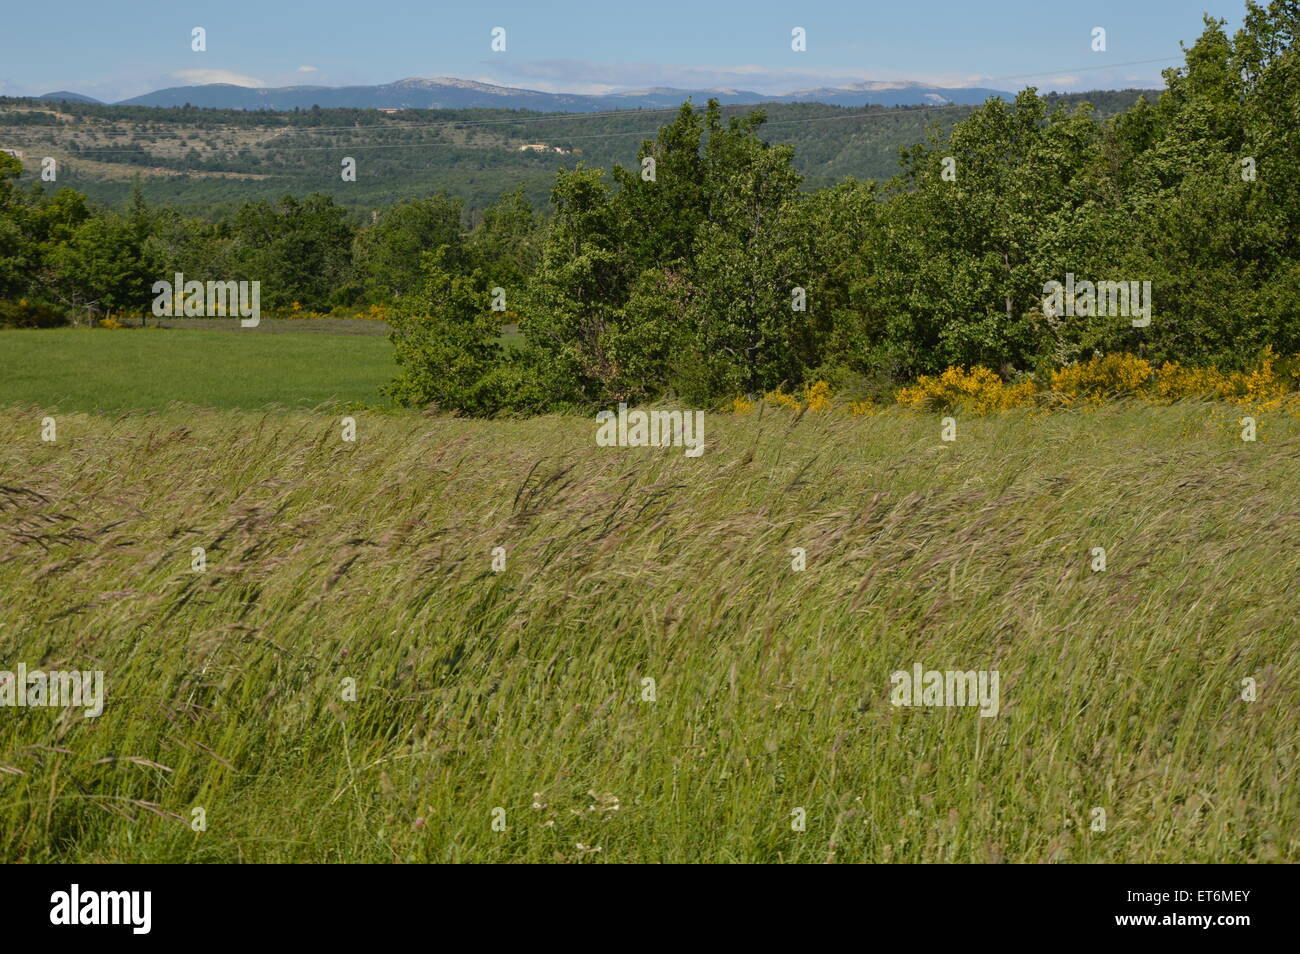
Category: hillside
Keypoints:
(209, 160)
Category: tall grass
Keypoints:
(523, 690)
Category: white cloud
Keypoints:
(586, 76)
(203, 77)
(1081, 79)
(306, 69)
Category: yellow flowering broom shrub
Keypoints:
(1264, 390)
(818, 396)
(815, 397)
(779, 398)
(1173, 381)
(978, 391)
(1102, 377)
(740, 405)
(1113, 375)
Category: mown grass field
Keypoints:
(94, 369)
(524, 690)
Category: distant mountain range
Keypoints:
(449, 93)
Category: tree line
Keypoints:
(66, 258)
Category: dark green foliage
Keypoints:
(301, 251)
(506, 243)
(12, 216)
(24, 314)
(445, 341)
(388, 252)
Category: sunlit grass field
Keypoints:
(507, 716)
(94, 369)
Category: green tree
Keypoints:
(506, 245)
(301, 251)
(14, 262)
(104, 267)
(388, 251)
(445, 341)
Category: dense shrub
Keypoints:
(25, 314)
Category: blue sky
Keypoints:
(113, 49)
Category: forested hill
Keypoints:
(208, 161)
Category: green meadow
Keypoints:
(643, 675)
(95, 369)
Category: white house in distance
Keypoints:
(541, 147)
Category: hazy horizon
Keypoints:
(581, 50)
